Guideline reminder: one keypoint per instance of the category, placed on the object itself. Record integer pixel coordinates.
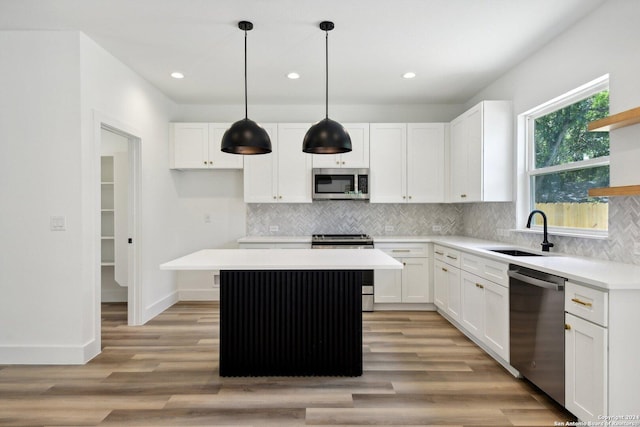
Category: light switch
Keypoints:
(58, 223)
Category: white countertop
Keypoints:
(606, 275)
(284, 259)
(600, 274)
(275, 239)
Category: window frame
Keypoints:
(526, 122)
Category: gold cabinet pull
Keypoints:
(567, 327)
(577, 301)
(439, 253)
(401, 250)
(452, 257)
(444, 269)
(478, 285)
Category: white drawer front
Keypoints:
(587, 303)
(496, 272)
(447, 255)
(486, 268)
(405, 250)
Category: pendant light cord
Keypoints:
(246, 102)
(326, 74)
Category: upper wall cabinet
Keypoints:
(284, 175)
(482, 154)
(358, 157)
(407, 162)
(197, 146)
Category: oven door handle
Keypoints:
(533, 281)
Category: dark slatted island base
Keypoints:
(291, 323)
(289, 312)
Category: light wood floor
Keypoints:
(419, 370)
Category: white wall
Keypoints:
(54, 85)
(113, 93)
(606, 41)
(41, 281)
(312, 113)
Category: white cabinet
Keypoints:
(284, 175)
(473, 292)
(472, 304)
(481, 147)
(447, 281)
(407, 162)
(585, 368)
(197, 146)
(496, 318)
(485, 312)
(485, 302)
(409, 285)
(586, 378)
(358, 157)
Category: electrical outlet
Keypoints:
(436, 228)
(273, 228)
(388, 228)
(58, 223)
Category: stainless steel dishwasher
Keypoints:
(536, 332)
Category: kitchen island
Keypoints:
(289, 312)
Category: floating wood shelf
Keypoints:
(626, 118)
(627, 190)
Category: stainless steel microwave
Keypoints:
(340, 184)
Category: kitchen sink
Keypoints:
(514, 252)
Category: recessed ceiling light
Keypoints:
(409, 75)
(177, 75)
(293, 76)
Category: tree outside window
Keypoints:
(566, 160)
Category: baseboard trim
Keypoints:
(48, 354)
(480, 344)
(199, 294)
(159, 306)
(410, 306)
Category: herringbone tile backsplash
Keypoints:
(481, 220)
(353, 217)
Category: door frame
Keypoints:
(134, 141)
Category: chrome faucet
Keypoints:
(545, 242)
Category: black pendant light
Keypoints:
(327, 136)
(246, 136)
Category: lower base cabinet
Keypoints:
(447, 292)
(496, 319)
(412, 284)
(485, 312)
(475, 296)
(585, 368)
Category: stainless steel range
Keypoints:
(350, 241)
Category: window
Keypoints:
(564, 160)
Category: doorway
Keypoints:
(119, 165)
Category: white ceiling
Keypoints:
(456, 47)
